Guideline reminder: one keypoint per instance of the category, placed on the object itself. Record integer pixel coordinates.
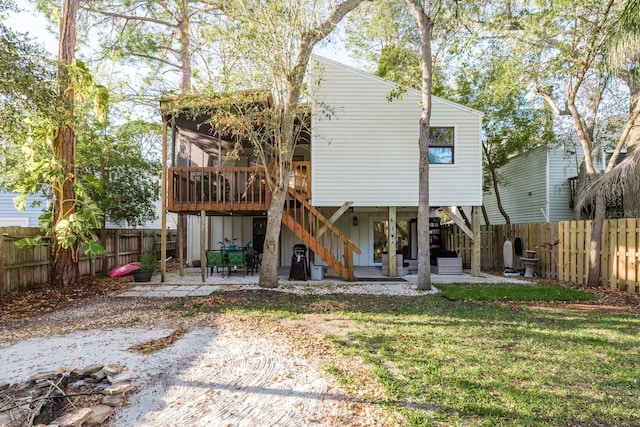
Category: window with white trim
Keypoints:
(441, 145)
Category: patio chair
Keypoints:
(236, 259)
(217, 259)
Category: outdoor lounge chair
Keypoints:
(445, 262)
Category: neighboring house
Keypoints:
(10, 216)
(537, 186)
(358, 167)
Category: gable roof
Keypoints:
(392, 85)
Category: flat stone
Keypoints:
(99, 415)
(188, 287)
(42, 376)
(120, 378)
(98, 376)
(130, 294)
(113, 368)
(179, 293)
(164, 288)
(119, 388)
(88, 370)
(114, 400)
(200, 293)
(154, 294)
(74, 419)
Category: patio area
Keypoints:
(370, 281)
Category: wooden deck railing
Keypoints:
(227, 190)
(220, 190)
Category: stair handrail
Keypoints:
(325, 220)
(344, 267)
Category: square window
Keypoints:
(441, 145)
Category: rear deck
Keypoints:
(224, 191)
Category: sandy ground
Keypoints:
(227, 371)
(207, 378)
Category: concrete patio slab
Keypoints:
(191, 284)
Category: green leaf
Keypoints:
(29, 242)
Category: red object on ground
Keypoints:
(124, 269)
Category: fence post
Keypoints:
(141, 245)
(477, 241)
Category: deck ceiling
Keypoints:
(198, 130)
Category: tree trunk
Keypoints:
(631, 199)
(485, 215)
(494, 183)
(425, 25)
(185, 46)
(284, 142)
(269, 267)
(596, 240)
(64, 269)
(496, 191)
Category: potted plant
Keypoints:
(148, 263)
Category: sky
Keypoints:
(34, 24)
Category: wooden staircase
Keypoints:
(319, 234)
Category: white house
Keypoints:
(360, 169)
(537, 186)
(10, 216)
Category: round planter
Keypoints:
(142, 275)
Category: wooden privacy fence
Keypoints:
(24, 268)
(563, 249)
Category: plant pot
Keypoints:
(142, 275)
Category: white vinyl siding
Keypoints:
(524, 192)
(366, 152)
(536, 187)
(10, 216)
(562, 166)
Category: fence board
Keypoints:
(569, 259)
(612, 265)
(631, 254)
(621, 282)
(29, 267)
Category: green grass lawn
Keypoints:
(459, 358)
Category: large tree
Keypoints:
(27, 79)
(511, 124)
(424, 15)
(39, 144)
(164, 36)
(65, 270)
(561, 47)
(152, 42)
(623, 58)
(119, 171)
(271, 43)
(400, 38)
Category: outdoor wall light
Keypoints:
(355, 221)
